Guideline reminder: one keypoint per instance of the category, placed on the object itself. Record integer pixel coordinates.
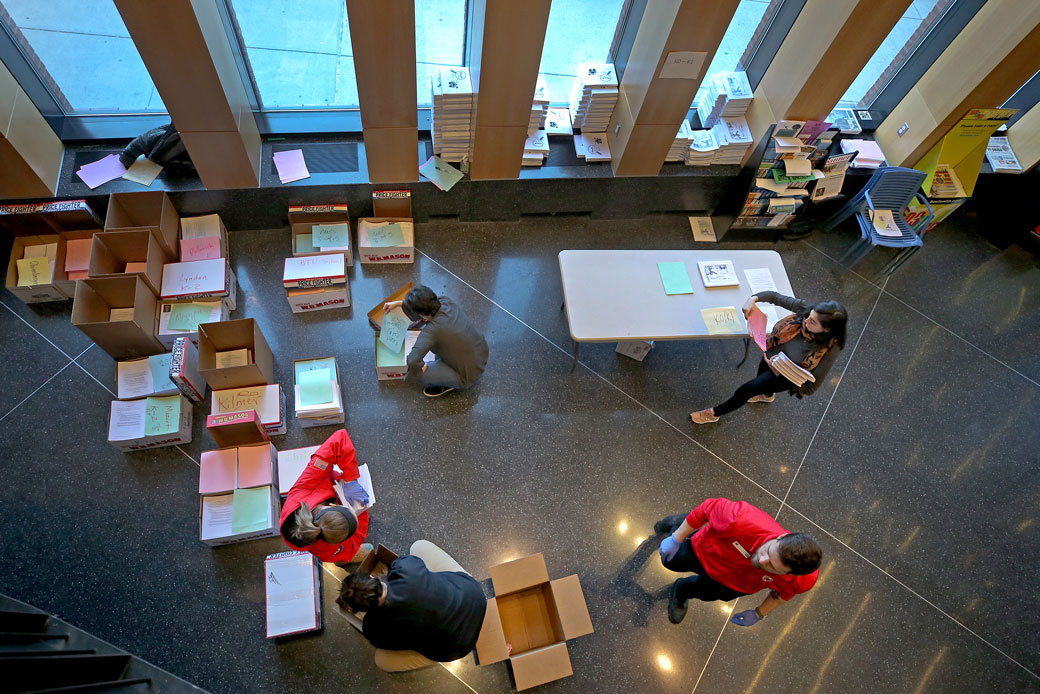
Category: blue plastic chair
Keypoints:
(890, 188)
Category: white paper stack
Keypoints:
(558, 121)
(870, 155)
(681, 143)
(1001, 157)
(536, 149)
(727, 95)
(454, 101)
(702, 149)
(791, 371)
(539, 107)
(593, 102)
(734, 138)
(592, 147)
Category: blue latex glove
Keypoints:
(746, 618)
(669, 546)
(355, 493)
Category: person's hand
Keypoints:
(769, 361)
(748, 306)
(355, 494)
(746, 618)
(424, 365)
(669, 546)
(391, 305)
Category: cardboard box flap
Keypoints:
(541, 665)
(375, 316)
(491, 642)
(382, 556)
(571, 606)
(392, 203)
(519, 574)
(48, 217)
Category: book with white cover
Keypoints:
(718, 273)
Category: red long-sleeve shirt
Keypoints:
(732, 526)
(315, 486)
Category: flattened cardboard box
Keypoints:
(242, 333)
(530, 619)
(303, 217)
(121, 339)
(268, 401)
(151, 210)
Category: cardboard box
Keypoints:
(291, 463)
(136, 425)
(113, 251)
(219, 533)
(151, 210)
(322, 414)
(124, 339)
(48, 217)
(377, 564)
(394, 367)
(237, 429)
(218, 311)
(268, 401)
(388, 206)
(184, 370)
(292, 594)
(206, 226)
(318, 299)
(314, 271)
(530, 619)
(375, 316)
(45, 291)
(199, 279)
(243, 333)
(303, 217)
(77, 246)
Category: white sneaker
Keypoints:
(762, 398)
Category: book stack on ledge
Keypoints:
(593, 102)
(539, 107)
(536, 149)
(702, 149)
(734, 138)
(681, 144)
(454, 101)
(727, 95)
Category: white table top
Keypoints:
(613, 295)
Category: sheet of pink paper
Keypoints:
(204, 248)
(757, 325)
(101, 171)
(291, 166)
(254, 466)
(77, 254)
(217, 471)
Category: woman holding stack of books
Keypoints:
(798, 354)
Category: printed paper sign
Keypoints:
(395, 325)
(330, 235)
(194, 277)
(683, 65)
(722, 321)
(385, 235)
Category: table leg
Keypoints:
(577, 346)
(562, 304)
(747, 348)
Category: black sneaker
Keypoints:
(676, 605)
(669, 524)
(435, 391)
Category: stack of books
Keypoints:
(558, 121)
(702, 149)
(1000, 156)
(597, 93)
(734, 138)
(592, 147)
(727, 95)
(681, 143)
(536, 149)
(791, 371)
(539, 107)
(945, 183)
(454, 101)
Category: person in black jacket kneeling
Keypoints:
(427, 609)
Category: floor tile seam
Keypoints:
(710, 654)
(31, 327)
(605, 380)
(914, 592)
(446, 668)
(37, 390)
(834, 393)
(929, 318)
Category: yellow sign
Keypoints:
(34, 271)
(963, 149)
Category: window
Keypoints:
(906, 36)
(83, 54)
(440, 41)
(577, 33)
(742, 36)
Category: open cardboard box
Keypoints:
(388, 206)
(394, 367)
(225, 336)
(209, 225)
(77, 246)
(151, 210)
(236, 429)
(111, 251)
(303, 217)
(218, 311)
(375, 316)
(121, 339)
(38, 293)
(530, 619)
(377, 564)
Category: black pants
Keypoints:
(765, 383)
(701, 586)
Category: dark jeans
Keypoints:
(765, 383)
(701, 586)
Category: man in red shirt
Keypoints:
(739, 551)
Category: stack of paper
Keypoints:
(592, 147)
(140, 378)
(999, 154)
(536, 148)
(290, 165)
(454, 100)
(703, 148)
(365, 480)
(244, 514)
(870, 155)
(101, 171)
(558, 122)
(319, 401)
(734, 138)
(845, 121)
(791, 371)
(539, 107)
(681, 143)
(593, 102)
(726, 95)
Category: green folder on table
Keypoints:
(675, 278)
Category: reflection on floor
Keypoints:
(912, 465)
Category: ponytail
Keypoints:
(338, 523)
(306, 532)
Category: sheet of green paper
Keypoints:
(160, 366)
(384, 357)
(386, 235)
(313, 365)
(315, 387)
(330, 235)
(395, 325)
(249, 509)
(675, 278)
(441, 173)
(188, 316)
(304, 244)
(162, 415)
